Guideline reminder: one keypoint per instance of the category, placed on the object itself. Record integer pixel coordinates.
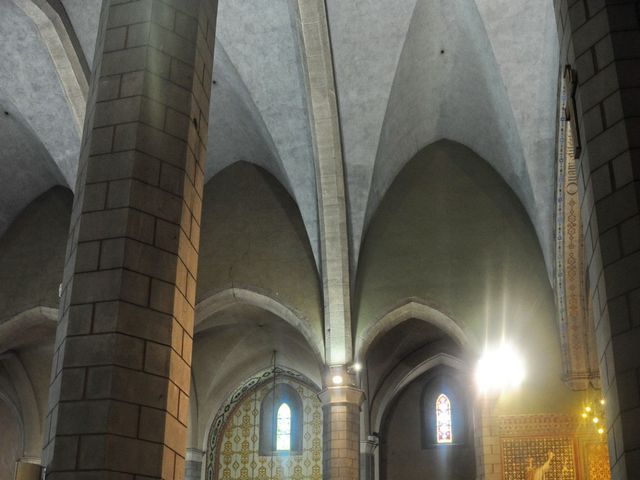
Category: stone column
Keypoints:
(367, 459)
(602, 41)
(195, 458)
(341, 434)
(486, 440)
(26, 470)
(119, 395)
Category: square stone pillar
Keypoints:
(601, 39)
(28, 471)
(341, 432)
(119, 395)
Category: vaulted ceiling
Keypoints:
(480, 72)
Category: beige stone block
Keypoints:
(175, 436)
(161, 296)
(129, 13)
(152, 424)
(167, 236)
(173, 399)
(132, 84)
(79, 320)
(168, 463)
(157, 359)
(104, 349)
(138, 35)
(117, 111)
(183, 409)
(72, 384)
(152, 113)
(133, 320)
(180, 372)
(124, 61)
(181, 73)
(127, 385)
(101, 141)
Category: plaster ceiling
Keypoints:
(38, 138)
(480, 72)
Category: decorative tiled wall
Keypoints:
(238, 455)
(513, 447)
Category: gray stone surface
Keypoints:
(84, 16)
(29, 79)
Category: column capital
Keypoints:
(194, 455)
(340, 395)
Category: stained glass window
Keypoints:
(443, 419)
(283, 428)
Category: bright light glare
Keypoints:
(337, 379)
(357, 366)
(500, 369)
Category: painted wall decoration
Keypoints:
(233, 400)
(549, 458)
(576, 338)
(597, 461)
(542, 447)
(237, 454)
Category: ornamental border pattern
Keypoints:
(551, 424)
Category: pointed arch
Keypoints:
(232, 296)
(420, 310)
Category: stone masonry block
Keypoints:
(123, 165)
(99, 416)
(157, 359)
(105, 349)
(115, 39)
(138, 35)
(610, 246)
(625, 350)
(623, 275)
(132, 320)
(129, 13)
(630, 235)
(124, 61)
(617, 207)
(583, 35)
(167, 236)
(87, 255)
(161, 145)
(598, 87)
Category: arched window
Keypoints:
(283, 428)
(444, 430)
(445, 410)
(281, 422)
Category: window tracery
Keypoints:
(444, 431)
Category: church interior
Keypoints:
(320, 239)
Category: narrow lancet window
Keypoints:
(443, 419)
(283, 428)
